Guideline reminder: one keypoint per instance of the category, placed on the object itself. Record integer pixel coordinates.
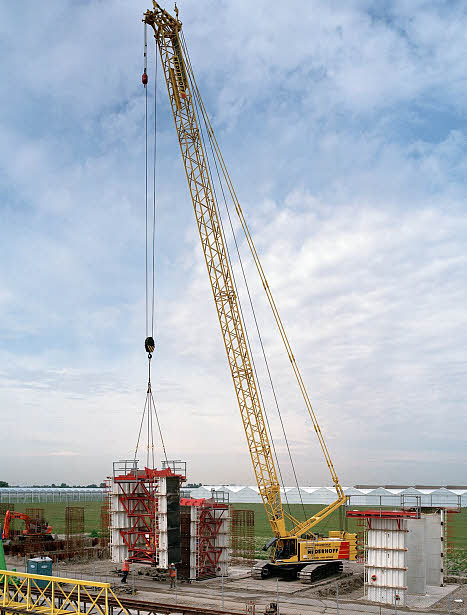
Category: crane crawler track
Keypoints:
(317, 572)
(308, 575)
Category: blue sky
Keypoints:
(344, 129)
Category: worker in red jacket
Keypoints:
(125, 570)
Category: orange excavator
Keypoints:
(34, 527)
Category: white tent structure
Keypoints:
(360, 495)
(33, 495)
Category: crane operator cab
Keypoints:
(286, 548)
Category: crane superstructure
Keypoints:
(290, 549)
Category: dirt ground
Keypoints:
(240, 588)
(456, 608)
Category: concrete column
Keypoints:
(416, 573)
(433, 549)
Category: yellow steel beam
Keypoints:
(22, 590)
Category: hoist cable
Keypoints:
(146, 173)
(196, 100)
(263, 351)
(277, 318)
(154, 209)
(159, 429)
(203, 111)
(260, 338)
(141, 425)
(154, 197)
(149, 405)
(156, 415)
(260, 391)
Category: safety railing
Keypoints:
(26, 592)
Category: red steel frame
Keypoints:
(361, 539)
(208, 526)
(208, 554)
(141, 506)
(399, 515)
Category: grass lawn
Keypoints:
(335, 521)
(55, 515)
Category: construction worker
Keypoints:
(173, 575)
(125, 570)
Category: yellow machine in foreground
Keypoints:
(294, 547)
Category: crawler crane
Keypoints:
(294, 547)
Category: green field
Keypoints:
(337, 520)
(55, 515)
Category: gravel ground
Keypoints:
(239, 588)
(456, 608)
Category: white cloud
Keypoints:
(63, 454)
(344, 133)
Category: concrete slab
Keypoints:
(432, 596)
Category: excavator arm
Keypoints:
(11, 514)
(182, 95)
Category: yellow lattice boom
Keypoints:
(37, 593)
(188, 109)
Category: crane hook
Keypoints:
(149, 345)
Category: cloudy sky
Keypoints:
(344, 128)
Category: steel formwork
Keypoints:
(144, 513)
(204, 538)
(385, 553)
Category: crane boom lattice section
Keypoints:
(214, 247)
